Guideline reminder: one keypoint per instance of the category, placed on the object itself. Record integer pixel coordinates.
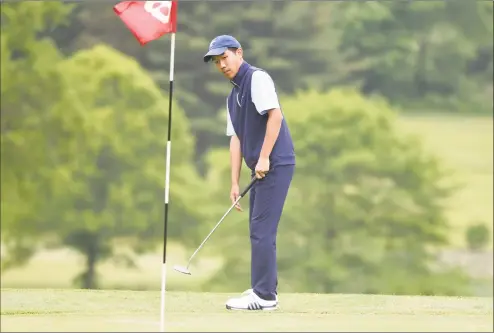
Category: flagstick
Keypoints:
(167, 182)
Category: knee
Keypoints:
(263, 229)
(263, 238)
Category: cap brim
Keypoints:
(214, 52)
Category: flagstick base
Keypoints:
(163, 286)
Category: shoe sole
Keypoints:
(270, 308)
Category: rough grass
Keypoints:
(465, 146)
(57, 268)
(126, 311)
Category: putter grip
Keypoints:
(252, 182)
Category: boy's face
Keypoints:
(229, 62)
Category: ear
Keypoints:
(240, 52)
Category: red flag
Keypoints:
(148, 20)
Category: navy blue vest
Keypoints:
(250, 126)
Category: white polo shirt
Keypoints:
(264, 97)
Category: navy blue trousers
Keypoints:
(267, 198)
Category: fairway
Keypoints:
(126, 311)
(465, 148)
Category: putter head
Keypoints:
(181, 269)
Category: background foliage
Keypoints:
(372, 208)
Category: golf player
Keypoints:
(260, 135)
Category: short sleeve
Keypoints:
(263, 92)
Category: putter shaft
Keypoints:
(254, 179)
(212, 231)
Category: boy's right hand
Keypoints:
(234, 194)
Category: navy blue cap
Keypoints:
(219, 45)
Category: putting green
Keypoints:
(127, 311)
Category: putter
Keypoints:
(185, 270)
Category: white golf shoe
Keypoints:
(250, 301)
(248, 291)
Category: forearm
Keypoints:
(273, 126)
(235, 159)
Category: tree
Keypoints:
(83, 143)
(420, 54)
(364, 214)
(30, 86)
(111, 141)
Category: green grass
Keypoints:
(464, 144)
(126, 311)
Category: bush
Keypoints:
(477, 236)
